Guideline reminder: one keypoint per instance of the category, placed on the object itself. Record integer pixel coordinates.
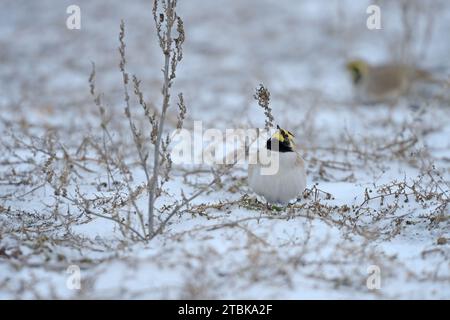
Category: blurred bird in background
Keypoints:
(389, 82)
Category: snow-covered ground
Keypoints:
(378, 175)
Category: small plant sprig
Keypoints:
(262, 95)
(182, 111)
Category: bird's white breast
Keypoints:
(288, 182)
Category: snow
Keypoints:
(228, 247)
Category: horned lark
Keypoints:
(384, 83)
(288, 180)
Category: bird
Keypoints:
(288, 180)
(386, 82)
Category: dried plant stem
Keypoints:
(154, 179)
(137, 137)
(167, 43)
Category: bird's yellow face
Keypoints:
(282, 141)
(283, 136)
(358, 70)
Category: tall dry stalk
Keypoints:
(172, 50)
(170, 31)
